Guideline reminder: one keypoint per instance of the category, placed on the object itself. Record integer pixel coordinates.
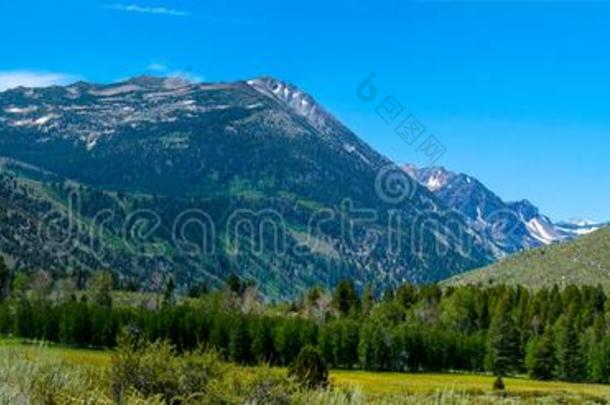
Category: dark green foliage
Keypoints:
(239, 342)
(499, 384)
(346, 300)
(5, 280)
(157, 369)
(168, 293)
(570, 357)
(540, 358)
(503, 341)
(235, 284)
(497, 330)
(263, 349)
(101, 286)
(310, 369)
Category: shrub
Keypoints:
(499, 384)
(155, 369)
(310, 368)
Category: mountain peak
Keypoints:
(147, 82)
(433, 178)
(297, 100)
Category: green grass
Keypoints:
(376, 386)
(399, 383)
(85, 357)
(585, 261)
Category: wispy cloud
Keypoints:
(25, 78)
(163, 69)
(134, 8)
(157, 67)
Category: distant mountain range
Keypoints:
(508, 227)
(158, 176)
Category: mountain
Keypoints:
(152, 176)
(508, 227)
(578, 227)
(584, 261)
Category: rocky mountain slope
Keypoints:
(155, 175)
(508, 227)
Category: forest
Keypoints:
(548, 334)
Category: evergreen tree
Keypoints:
(262, 342)
(168, 294)
(570, 359)
(101, 288)
(5, 280)
(599, 361)
(23, 318)
(346, 299)
(503, 341)
(368, 300)
(540, 359)
(239, 341)
(235, 284)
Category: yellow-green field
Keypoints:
(396, 383)
(68, 355)
(373, 384)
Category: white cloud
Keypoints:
(165, 70)
(188, 76)
(134, 8)
(25, 78)
(157, 67)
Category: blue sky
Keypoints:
(517, 92)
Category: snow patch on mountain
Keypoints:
(299, 101)
(578, 227)
(507, 226)
(544, 231)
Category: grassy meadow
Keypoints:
(350, 387)
(585, 261)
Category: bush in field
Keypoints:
(146, 368)
(263, 385)
(499, 384)
(156, 369)
(310, 368)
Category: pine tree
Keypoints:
(368, 300)
(503, 341)
(599, 361)
(168, 294)
(5, 280)
(540, 358)
(101, 287)
(239, 342)
(346, 299)
(570, 359)
(262, 342)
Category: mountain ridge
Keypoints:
(512, 226)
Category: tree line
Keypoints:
(549, 334)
